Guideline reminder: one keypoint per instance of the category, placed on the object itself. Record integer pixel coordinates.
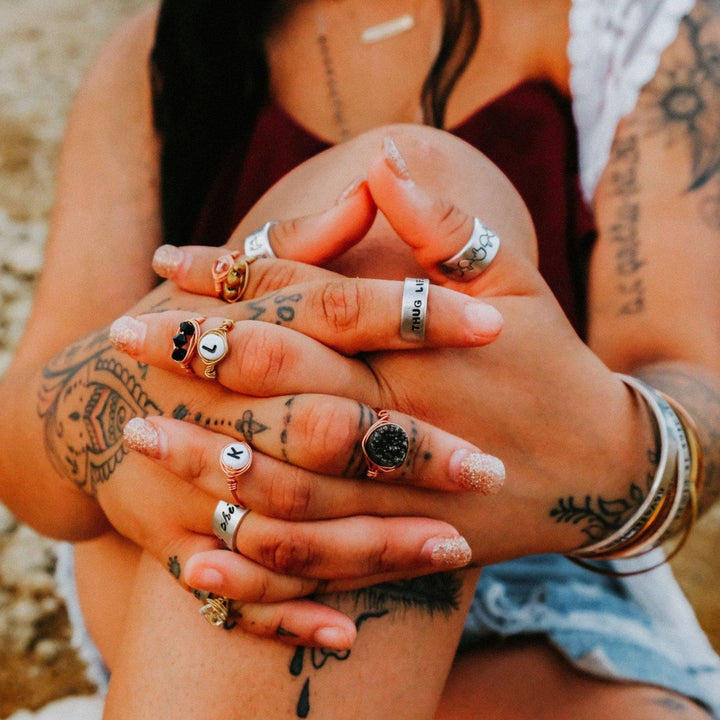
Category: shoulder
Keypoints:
(121, 69)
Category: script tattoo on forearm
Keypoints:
(683, 103)
(598, 517)
(429, 595)
(624, 230)
(87, 396)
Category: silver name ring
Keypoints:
(227, 519)
(474, 258)
(414, 309)
(257, 244)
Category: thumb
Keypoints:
(436, 229)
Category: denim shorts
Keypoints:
(623, 629)
(639, 628)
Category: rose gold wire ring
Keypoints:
(185, 342)
(385, 445)
(231, 274)
(213, 346)
(235, 460)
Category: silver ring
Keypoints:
(227, 519)
(414, 309)
(480, 251)
(257, 244)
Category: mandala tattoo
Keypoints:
(683, 100)
(86, 398)
(432, 594)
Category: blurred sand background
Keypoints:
(45, 48)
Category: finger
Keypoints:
(269, 486)
(437, 229)
(297, 622)
(262, 359)
(324, 435)
(350, 315)
(312, 239)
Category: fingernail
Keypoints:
(127, 334)
(394, 159)
(447, 552)
(167, 260)
(143, 437)
(477, 471)
(333, 637)
(204, 578)
(483, 319)
(351, 189)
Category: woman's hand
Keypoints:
(570, 436)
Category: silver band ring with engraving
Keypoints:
(257, 244)
(414, 309)
(475, 257)
(226, 522)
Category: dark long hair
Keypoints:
(210, 79)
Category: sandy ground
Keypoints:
(45, 47)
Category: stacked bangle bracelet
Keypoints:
(670, 506)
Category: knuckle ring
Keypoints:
(231, 274)
(474, 258)
(414, 309)
(235, 459)
(385, 445)
(226, 522)
(185, 342)
(213, 346)
(257, 244)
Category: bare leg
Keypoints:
(528, 680)
(172, 663)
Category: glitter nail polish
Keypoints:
(127, 334)
(143, 437)
(167, 260)
(482, 473)
(450, 552)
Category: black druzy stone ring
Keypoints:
(385, 445)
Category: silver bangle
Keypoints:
(665, 474)
(414, 309)
(227, 519)
(474, 258)
(257, 244)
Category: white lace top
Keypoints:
(614, 49)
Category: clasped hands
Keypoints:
(311, 354)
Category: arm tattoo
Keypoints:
(86, 397)
(598, 517)
(428, 595)
(624, 230)
(683, 102)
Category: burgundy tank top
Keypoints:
(528, 133)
